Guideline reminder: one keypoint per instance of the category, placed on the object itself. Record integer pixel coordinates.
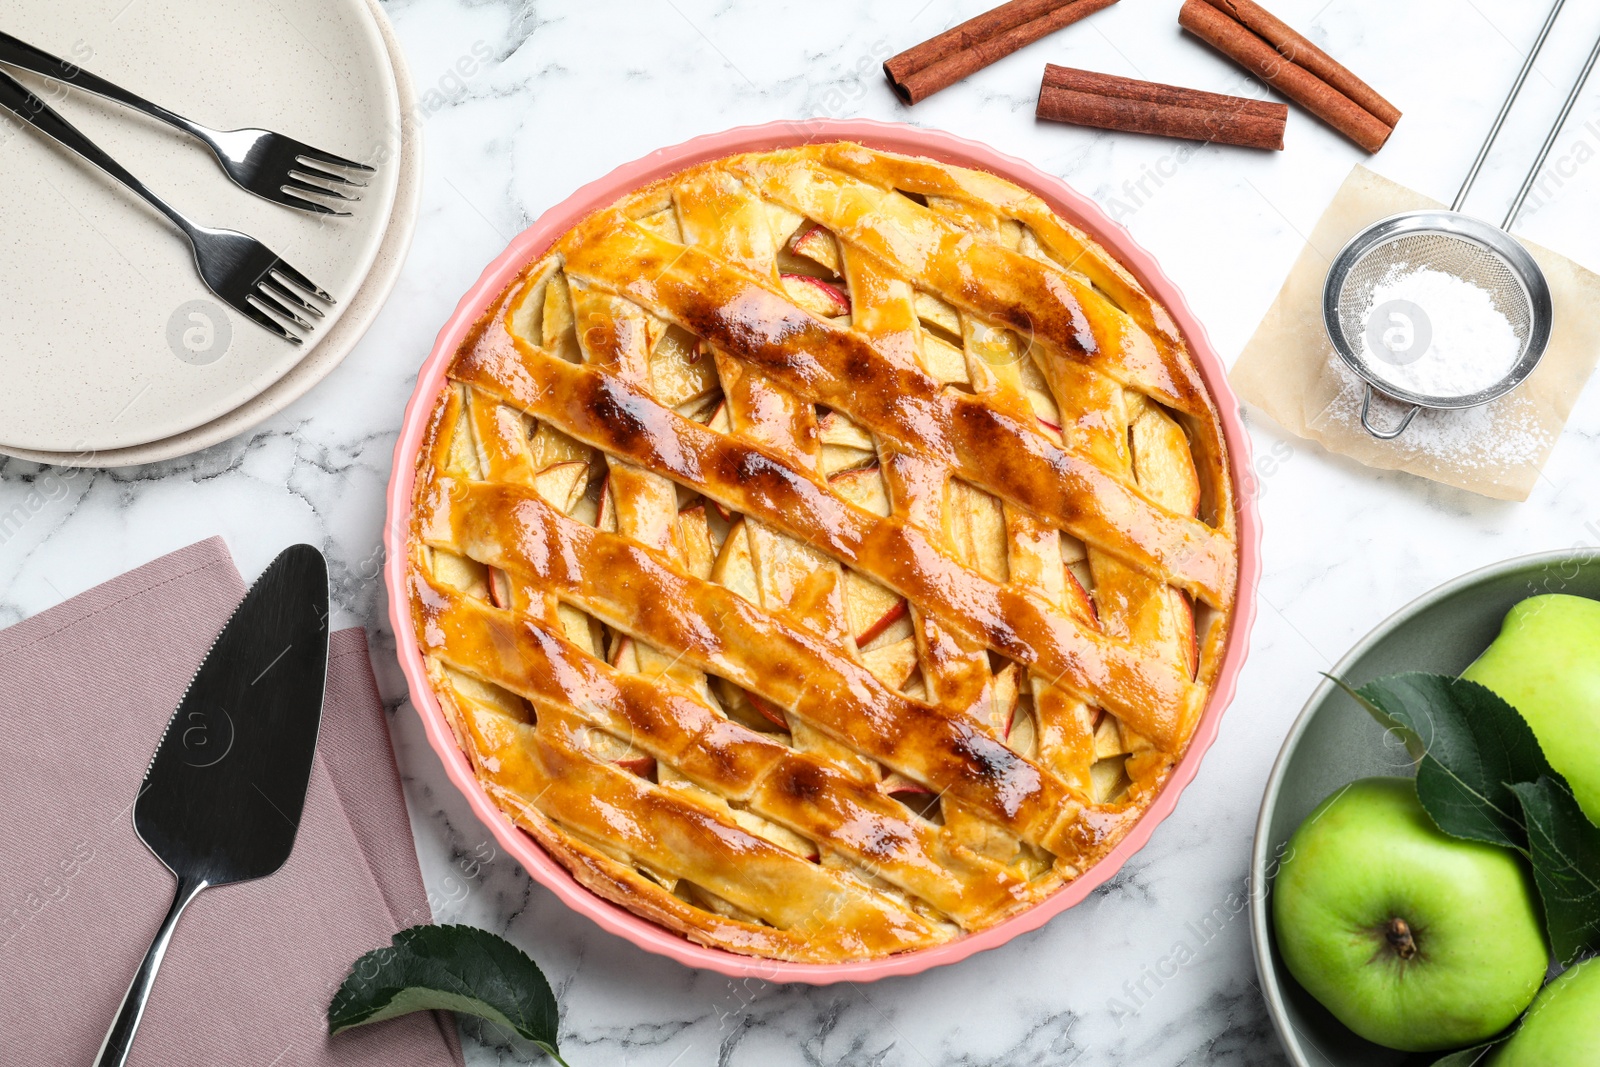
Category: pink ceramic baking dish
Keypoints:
(531, 244)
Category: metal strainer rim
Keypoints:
(1463, 227)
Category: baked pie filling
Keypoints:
(824, 553)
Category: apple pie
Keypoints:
(824, 553)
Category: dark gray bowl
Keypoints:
(1334, 742)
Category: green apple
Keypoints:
(1411, 938)
(1546, 664)
(1563, 1026)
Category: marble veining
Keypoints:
(1152, 969)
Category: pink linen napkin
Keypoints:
(86, 689)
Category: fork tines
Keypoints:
(275, 292)
(313, 173)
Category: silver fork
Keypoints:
(241, 270)
(268, 164)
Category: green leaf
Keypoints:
(1482, 776)
(1470, 747)
(1565, 848)
(1467, 1057)
(451, 968)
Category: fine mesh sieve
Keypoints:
(1451, 254)
(1453, 243)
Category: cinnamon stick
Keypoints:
(939, 62)
(1302, 53)
(1105, 101)
(1282, 69)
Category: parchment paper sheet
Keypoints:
(1290, 371)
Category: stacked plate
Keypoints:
(114, 352)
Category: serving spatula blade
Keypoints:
(222, 798)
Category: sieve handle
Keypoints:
(1505, 109)
(1550, 141)
(1384, 435)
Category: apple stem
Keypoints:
(1398, 933)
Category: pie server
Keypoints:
(222, 798)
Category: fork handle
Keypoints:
(119, 1039)
(19, 53)
(15, 97)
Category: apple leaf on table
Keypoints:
(449, 968)
(1470, 746)
(1565, 849)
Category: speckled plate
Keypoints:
(111, 342)
(1334, 742)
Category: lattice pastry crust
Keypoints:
(824, 553)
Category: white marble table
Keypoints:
(576, 88)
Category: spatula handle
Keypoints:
(119, 1039)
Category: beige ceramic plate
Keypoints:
(112, 343)
(331, 349)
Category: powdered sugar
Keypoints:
(1501, 435)
(1435, 334)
